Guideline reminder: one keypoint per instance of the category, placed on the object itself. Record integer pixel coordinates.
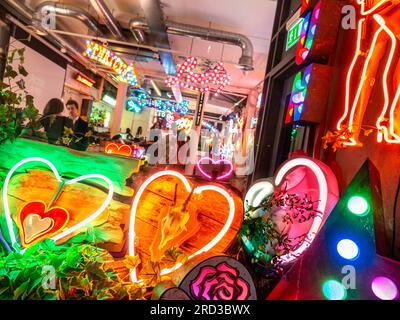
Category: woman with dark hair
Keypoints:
(52, 121)
(139, 132)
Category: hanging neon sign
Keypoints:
(140, 100)
(201, 82)
(356, 101)
(101, 54)
(84, 80)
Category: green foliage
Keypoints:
(81, 272)
(261, 237)
(18, 114)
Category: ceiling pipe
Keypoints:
(236, 39)
(66, 11)
(156, 25)
(54, 38)
(105, 14)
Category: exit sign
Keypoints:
(293, 34)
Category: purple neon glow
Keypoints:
(384, 288)
(225, 175)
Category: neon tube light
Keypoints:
(323, 197)
(70, 230)
(197, 190)
(223, 176)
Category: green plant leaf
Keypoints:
(22, 71)
(21, 290)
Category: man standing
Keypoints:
(79, 126)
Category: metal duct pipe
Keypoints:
(137, 31)
(28, 13)
(66, 11)
(155, 19)
(106, 15)
(236, 39)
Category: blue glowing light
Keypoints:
(348, 249)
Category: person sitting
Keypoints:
(138, 137)
(129, 135)
(118, 138)
(79, 126)
(52, 120)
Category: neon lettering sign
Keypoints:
(383, 40)
(101, 54)
(141, 100)
(86, 81)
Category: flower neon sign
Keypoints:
(101, 54)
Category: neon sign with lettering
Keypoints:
(84, 80)
(138, 101)
(101, 54)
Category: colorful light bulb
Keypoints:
(358, 205)
(334, 290)
(384, 288)
(348, 249)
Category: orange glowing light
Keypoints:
(385, 132)
(118, 149)
(86, 81)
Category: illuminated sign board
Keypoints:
(84, 80)
(293, 34)
(101, 54)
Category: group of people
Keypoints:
(54, 123)
(129, 137)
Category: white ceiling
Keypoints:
(252, 18)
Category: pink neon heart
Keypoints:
(223, 175)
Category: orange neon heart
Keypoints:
(118, 149)
(36, 222)
(215, 239)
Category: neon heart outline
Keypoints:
(323, 195)
(59, 179)
(197, 190)
(119, 147)
(227, 174)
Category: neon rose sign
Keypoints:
(101, 54)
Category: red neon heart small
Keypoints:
(36, 222)
(209, 175)
(118, 149)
